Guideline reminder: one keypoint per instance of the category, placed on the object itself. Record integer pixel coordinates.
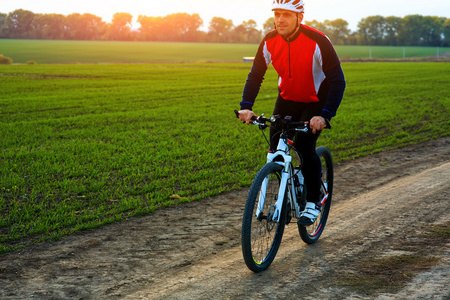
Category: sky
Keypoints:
(236, 10)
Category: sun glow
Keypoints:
(236, 10)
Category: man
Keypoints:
(311, 86)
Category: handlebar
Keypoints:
(261, 121)
(286, 121)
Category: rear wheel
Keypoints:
(310, 234)
(261, 236)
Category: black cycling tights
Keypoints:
(305, 143)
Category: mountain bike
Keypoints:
(278, 194)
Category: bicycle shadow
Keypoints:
(296, 266)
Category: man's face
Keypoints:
(286, 21)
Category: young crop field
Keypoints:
(389, 52)
(70, 52)
(85, 145)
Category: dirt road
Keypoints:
(381, 205)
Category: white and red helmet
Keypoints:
(292, 5)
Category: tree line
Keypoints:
(411, 30)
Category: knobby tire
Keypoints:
(260, 238)
(310, 234)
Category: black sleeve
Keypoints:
(336, 81)
(254, 79)
(252, 85)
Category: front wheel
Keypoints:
(261, 236)
(310, 234)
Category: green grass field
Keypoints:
(85, 145)
(387, 52)
(48, 51)
(45, 52)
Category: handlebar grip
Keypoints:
(237, 114)
(253, 118)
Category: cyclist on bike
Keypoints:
(311, 85)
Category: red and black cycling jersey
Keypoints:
(308, 68)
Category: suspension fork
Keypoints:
(280, 198)
(286, 173)
(281, 194)
(262, 196)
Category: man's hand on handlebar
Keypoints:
(317, 123)
(246, 115)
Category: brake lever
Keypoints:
(305, 128)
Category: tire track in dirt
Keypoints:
(369, 221)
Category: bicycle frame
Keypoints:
(283, 158)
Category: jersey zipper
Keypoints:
(289, 48)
